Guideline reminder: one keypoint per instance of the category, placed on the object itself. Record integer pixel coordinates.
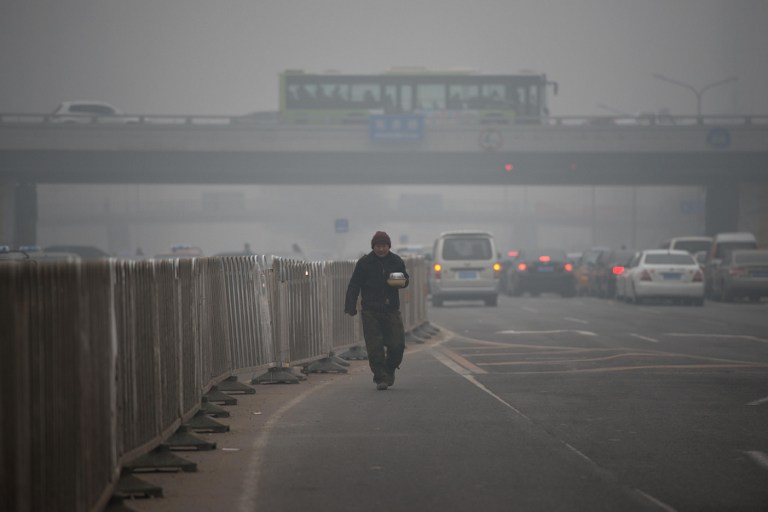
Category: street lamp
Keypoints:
(698, 92)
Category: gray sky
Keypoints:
(223, 56)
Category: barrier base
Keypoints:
(231, 385)
(129, 486)
(217, 397)
(213, 410)
(202, 423)
(326, 365)
(117, 504)
(412, 338)
(276, 376)
(429, 328)
(355, 353)
(338, 360)
(182, 439)
(421, 333)
(160, 459)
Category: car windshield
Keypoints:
(669, 259)
(751, 257)
(469, 248)
(97, 110)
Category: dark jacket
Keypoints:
(370, 278)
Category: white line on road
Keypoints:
(646, 338)
(577, 320)
(556, 331)
(660, 504)
(759, 402)
(759, 457)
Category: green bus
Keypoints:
(315, 98)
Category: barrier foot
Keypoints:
(276, 376)
(421, 333)
(200, 422)
(338, 360)
(182, 439)
(213, 410)
(217, 397)
(355, 353)
(412, 338)
(430, 328)
(129, 486)
(160, 459)
(231, 385)
(117, 504)
(325, 365)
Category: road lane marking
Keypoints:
(759, 457)
(530, 310)
(643, 337)
(708, 335)
(577, 320)
(660, 504)
(555, 331)
(460, 361)
(759, 402)
(568, 361)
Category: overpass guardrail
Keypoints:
(101, 362)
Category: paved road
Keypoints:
(539, 404)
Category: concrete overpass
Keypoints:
(719, 153)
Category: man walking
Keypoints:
(382, 322)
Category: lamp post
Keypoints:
(698, 92)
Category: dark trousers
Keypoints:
(384, 341)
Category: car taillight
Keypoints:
(698, 277)
(736, 271)
(545, 259)
(496, 270)
(645, 276)
(522, 266)
(438, 271)
(568, 267)
(617, 270)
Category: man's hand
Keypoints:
(351, 312)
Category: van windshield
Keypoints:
(692, 246)
(470, 248)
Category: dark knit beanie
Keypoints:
(380, 238)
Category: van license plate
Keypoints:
(467, 274)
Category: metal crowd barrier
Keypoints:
(100, 362)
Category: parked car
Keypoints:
(722, 244)
(608, 266)
(741, 274)
(86, 252)
(465, 266)
(538, 271)
(663, 274)
(584, 269)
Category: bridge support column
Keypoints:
(18, 213)
(721, 208)
(753, 210)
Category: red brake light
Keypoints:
(544, 258)
(617, 270)
(568, 267)
(512, 254)
(509, 167)
(522, 266)
(736, 271)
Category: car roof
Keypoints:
(735, 237)
(690, 239)
(665, 251)
(466, 233)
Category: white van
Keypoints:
(692, 244)
(722, 244)
(465, 266)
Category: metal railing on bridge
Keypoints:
(102, 361)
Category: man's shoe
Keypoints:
(390, 379)
(381, 386)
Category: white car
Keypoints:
(90, 112)
(663, 274)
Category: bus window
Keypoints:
(430, 96)
(493, 96)
(366, 95)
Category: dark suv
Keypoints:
(537, 271)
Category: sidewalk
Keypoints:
(218, 482)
